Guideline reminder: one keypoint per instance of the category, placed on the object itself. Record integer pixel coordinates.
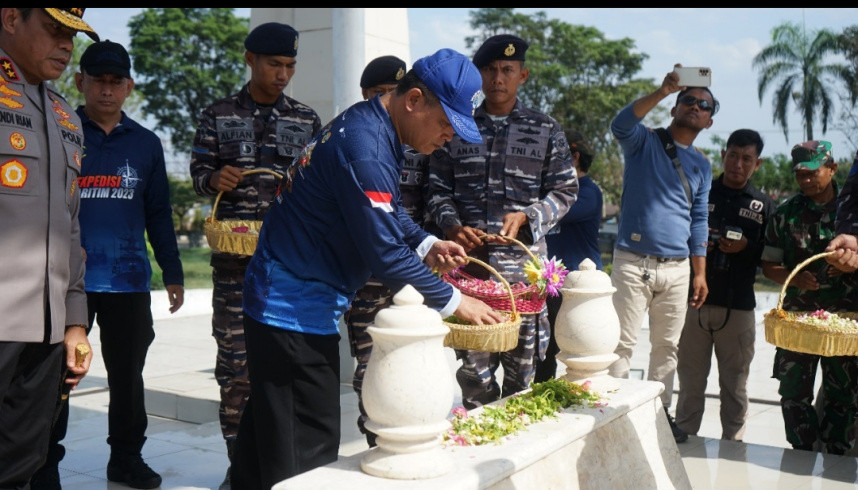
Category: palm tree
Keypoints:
(794, 64)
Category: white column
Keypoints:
(347, 56)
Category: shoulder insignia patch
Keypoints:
(9, 70)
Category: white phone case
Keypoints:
(694, 76)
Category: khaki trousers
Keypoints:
(733, 342)
(664, 296)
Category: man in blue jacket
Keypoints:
(337, 218)
(124, 197)
(663, 221)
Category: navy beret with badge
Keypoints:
(273, 39)
(382, 71)
(500, 47)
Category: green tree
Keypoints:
(775, 177)
(798, 67)
(578, 76)
(848, 123)
(185, 59)
(187, 209)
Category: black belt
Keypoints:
(653, 257)
(660, 259)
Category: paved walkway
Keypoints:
(186, 447)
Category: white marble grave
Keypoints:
(626, 444)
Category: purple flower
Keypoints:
(554, 273)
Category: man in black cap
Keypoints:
(517, 182)
(257, 128)
(125, 199)
(43, 302)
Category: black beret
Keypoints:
(273, 38)
(578, 143)
(382, 70)
(500, 47)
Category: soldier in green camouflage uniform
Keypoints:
(800, 228)
(258, 127)
(519, 181)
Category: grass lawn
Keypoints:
(198, 272)
(195, 263)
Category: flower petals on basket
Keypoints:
(827, 319)
(547, 275)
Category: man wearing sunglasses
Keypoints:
(663, 222)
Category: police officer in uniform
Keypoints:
(379, 77)
(518, 182)
(43, 301)
(258, 127)
(726, 322)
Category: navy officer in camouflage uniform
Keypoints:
(518, 183)
(800, 228)
(258, 127)
(379, 77)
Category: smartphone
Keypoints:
(694, 76)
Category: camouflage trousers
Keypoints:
(797, 373)
(368, 301)
(476, 375)
(231, 363)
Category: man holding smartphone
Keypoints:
(663, 221)
(738, 214)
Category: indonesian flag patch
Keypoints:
(380, 200)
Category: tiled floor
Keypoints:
(190, 453)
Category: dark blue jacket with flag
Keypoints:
(337, 218)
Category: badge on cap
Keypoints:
(510, 50)
(399, 74)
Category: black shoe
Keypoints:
(132, 471)
(371, 438)
(47, 478)
(679, 435)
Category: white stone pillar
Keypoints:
(587, 328)
(407, 391)
(347, 56)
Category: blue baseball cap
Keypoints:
(456, 82)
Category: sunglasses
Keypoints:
(703, 104)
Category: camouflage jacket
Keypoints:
(523, 164)
(847, 203)
(413, 184)
(799, 229)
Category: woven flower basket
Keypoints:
(783, 330)
(528, 300)
(235, 236)
(498, 337)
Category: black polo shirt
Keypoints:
(750, 210)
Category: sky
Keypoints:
(725, 40)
